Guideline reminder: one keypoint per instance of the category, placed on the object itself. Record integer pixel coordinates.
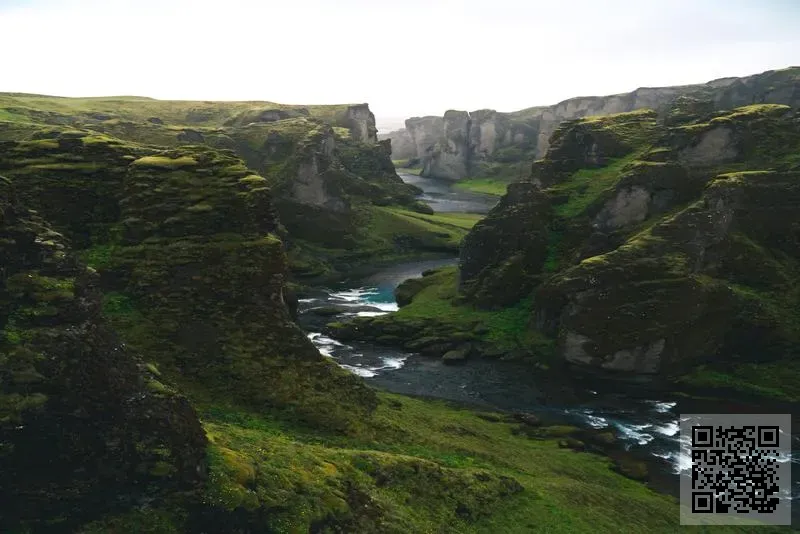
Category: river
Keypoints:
(647, 423)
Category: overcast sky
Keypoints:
(405, 57)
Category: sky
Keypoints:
(404, 57)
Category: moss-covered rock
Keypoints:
(183, 236)
(201, 262)
(593, 142)
(667, 299)
(85, 427)
(502, 256)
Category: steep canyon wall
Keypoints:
(485, 142)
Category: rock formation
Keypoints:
(181, 238)
(85, 425)
(402, 144)
(652, 249)
(464, 149)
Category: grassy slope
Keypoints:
(488, 186)
(422, 466)
(435, 232)
(438, 305)
(586, 185)
(133, 108)
(390, 235)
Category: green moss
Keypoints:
(253, 179)
(751, 112)
(42, 289)
(587, 185)
(201, 207)
(65, 166)
(458, 220)
(411, 170)
(632, 128)
(554, 251)
(41, 144)
(132, 110)
(99, 256)
(341, 133)
(165, 162)
(143, 520)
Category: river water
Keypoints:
(646, 422)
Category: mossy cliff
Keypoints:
(182, 239)
(490, 145)
(643, 245)
(328, 174)
(676, 258)
(85, 427)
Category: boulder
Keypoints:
(456, 356)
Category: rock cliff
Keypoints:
(85, 426)
(323, 164)
(403, 147)
(488, 140)
(652, 249)
(186, 243)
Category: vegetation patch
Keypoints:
(587, 185)
(488, 186)
(415, 466)
(165, 162)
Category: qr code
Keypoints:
(739, 467)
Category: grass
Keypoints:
(774, 380)
(442, 232)
(140, 109)
(420, 466)
(458, 220)
(401, 165)
(587, 185)
(439, 302)
(489, 186)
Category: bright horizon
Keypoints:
(408, 59)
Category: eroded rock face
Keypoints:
(310, 185)
(425, 132)
(188, 242)
(715, 146)
(402, 144)
(502, 256)
(209, 276)
(663, 301)
(529, 131)
(645, 189)
(450, 157)
(361, 122)
(84, 425)
(646, 254)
